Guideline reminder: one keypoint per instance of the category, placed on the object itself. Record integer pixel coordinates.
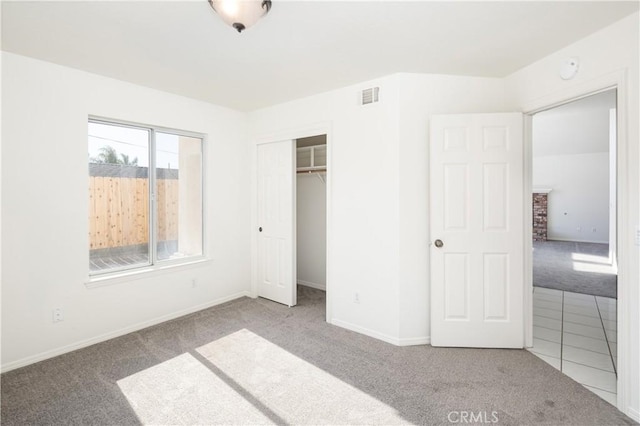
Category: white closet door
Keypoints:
(276, 222)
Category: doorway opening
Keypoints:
(311, 218)
(574, 262)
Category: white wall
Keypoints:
(378, 240)
(603, 56)
(363, 185)
(311, 222)
(579, 200)
(571, 156)
(45, 253)
(578, 127)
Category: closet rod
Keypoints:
(312, 171)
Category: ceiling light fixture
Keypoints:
(241, 14)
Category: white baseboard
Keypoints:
(365, 331)
(634, 414)
(121, 332)
(411, 341)
(313, 285)
(567, 240)
(414, 341)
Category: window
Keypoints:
(145, 196)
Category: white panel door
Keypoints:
(477, 230)
(276, 222)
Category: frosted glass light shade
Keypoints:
(241, 14)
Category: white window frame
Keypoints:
(127, 272)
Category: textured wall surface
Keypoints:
(540, 201)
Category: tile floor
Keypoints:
(576, 333)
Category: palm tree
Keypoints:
(109, 155)
(125, 160)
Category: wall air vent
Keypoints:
(370, 96)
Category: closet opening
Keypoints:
(311, 220)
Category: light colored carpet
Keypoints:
(258, 362)
(572, 266)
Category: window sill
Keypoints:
(145, 272)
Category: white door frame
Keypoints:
(322, 128)
(617, 80)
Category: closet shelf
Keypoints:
(311, 159)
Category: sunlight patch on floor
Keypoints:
(184, 391)
(243, 378)
(592, 263)
(590, 258)
(298, 391)
(597, 268)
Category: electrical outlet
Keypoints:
(356, 298)
(594, 230)
(194, 283)
(57, 315)
(579, 228)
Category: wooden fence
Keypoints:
(119, 211)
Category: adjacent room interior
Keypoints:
(574, 240)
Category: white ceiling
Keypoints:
(300, 48)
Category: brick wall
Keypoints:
(540, 216)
